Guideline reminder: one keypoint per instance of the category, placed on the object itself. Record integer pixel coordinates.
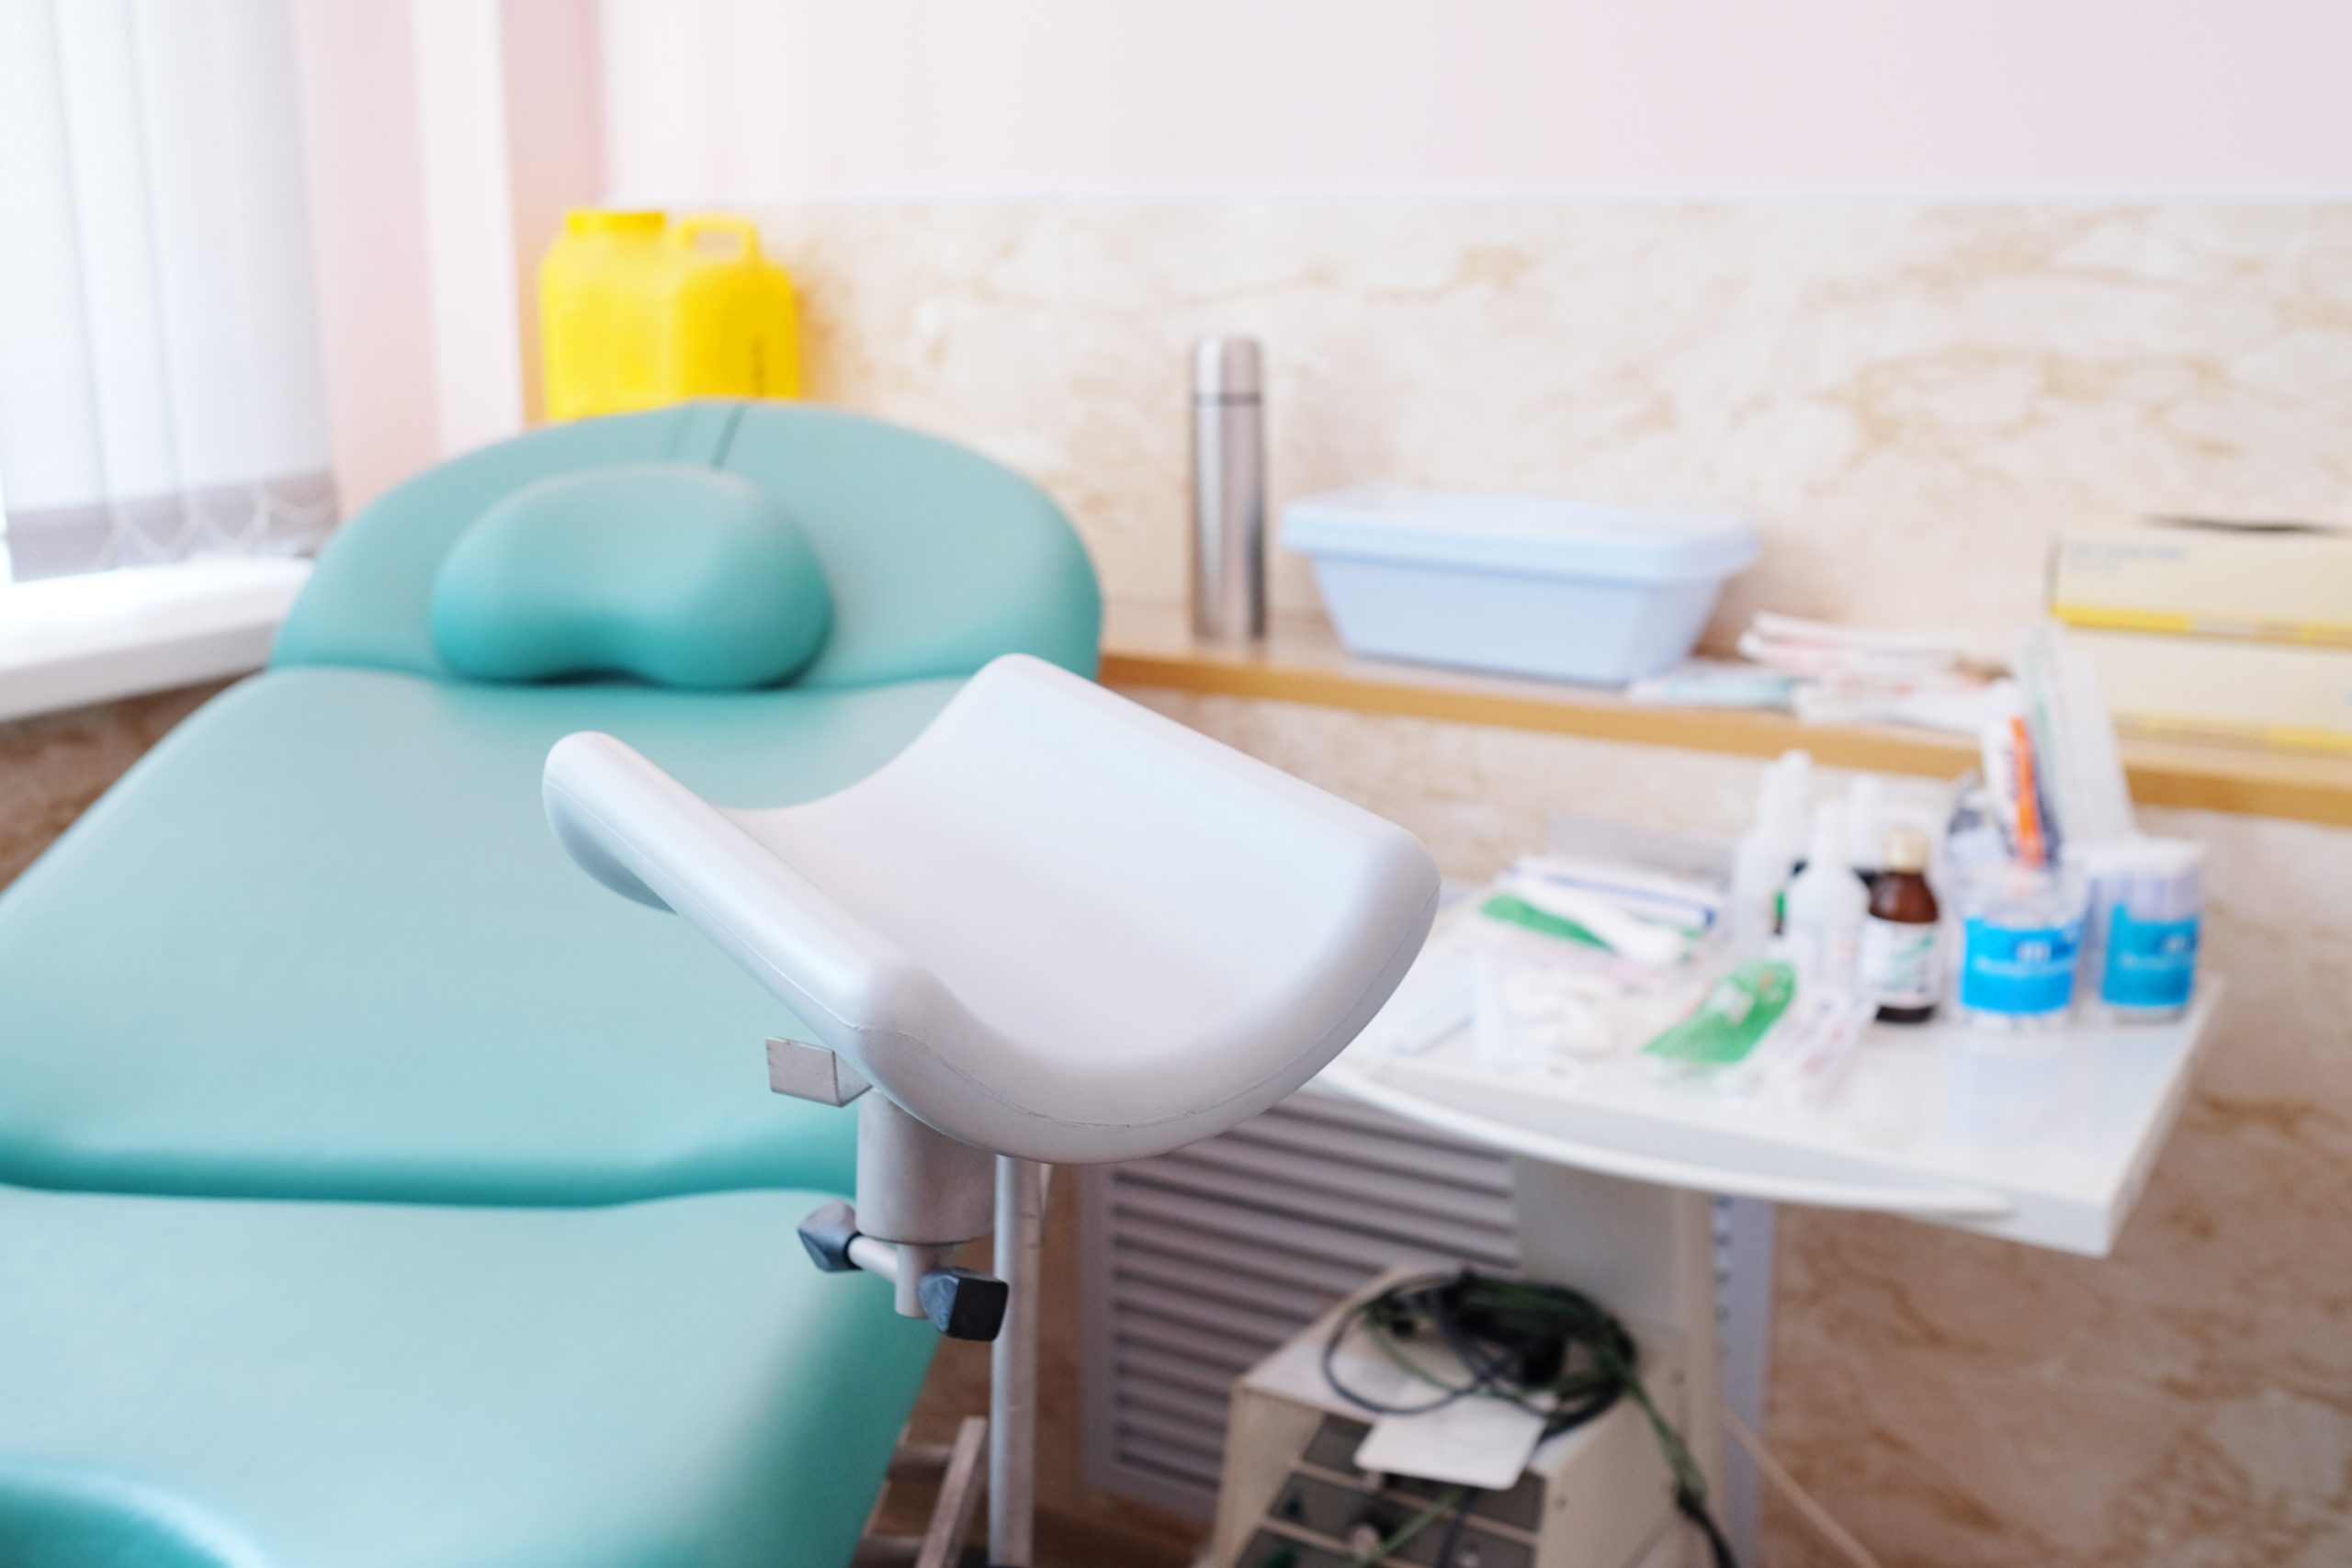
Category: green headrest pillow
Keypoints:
(673, 573)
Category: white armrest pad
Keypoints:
(609, 808)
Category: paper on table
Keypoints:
(1478, 1441)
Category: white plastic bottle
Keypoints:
(1767, 853)
(1759, 870)
(1866, 826)
(1825, 908)
(1797, 802)
(1796, 813)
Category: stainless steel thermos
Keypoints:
(1228, 491)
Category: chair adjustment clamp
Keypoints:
(962, 1303)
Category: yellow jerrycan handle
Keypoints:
(690, 232)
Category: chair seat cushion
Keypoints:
(320, 942)
(192, 1383)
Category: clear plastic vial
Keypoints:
(2141, 934)
(2021, 937)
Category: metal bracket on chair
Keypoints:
(811, 1072)
(927, 1194)
(960, 1303)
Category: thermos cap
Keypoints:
(1225, 368)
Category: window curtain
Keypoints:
(160, 386)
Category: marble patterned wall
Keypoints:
(1910, 400)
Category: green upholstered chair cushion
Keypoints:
(207, 1385)
(674, 573)
(321, 943)
(938, 559)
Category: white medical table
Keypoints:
(2044, 1139)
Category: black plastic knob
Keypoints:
(827, 1234)
(963, 1304)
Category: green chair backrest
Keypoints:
(938, 559)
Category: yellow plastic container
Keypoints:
(637, 312)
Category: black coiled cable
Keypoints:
(1548, 1349)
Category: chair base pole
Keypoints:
(1013, 1366)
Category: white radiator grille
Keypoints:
(1197, 1264)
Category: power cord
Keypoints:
(1808, 1508)
(1451, 1541)
(1550, 1350)
(1457, 1498)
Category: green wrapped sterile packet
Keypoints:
(1517, 911)
(1738, 1011)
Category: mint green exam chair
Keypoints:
(375, 1188)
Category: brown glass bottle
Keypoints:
(1902, 964)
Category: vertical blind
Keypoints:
(160, 384)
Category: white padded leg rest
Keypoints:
(1056, 926)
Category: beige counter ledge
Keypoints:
(1300, 661)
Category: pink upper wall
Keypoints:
(749, 99)
(758, 100)
(555, 139)
(443, 143)
(364, 180)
